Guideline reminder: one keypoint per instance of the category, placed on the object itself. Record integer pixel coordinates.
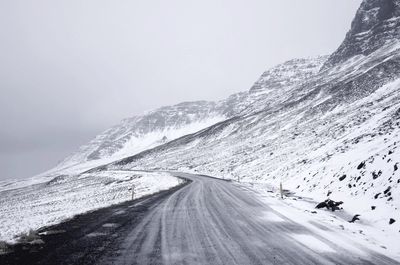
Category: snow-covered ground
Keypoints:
(63, 197)
(334, 226)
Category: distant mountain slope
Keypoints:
(159, 126)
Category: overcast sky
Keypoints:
(70, 69)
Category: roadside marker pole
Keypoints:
(281, 190)
(133, 192)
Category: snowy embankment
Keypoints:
(334, 226)
(48, 203)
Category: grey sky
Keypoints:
(70, 69)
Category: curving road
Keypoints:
(208, 221)
(212, 221)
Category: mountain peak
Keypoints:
(289, 73)
(376, 23)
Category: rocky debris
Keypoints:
(376, 175)
(342, 177)
(361, 165)
(355, 218)
(330, 205)
(373, 207)
(387, 191)
(391, 221)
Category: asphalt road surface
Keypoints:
(206, 221)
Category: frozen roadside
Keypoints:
(334, 226)
(52, 202)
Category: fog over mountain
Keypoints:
(69, 70)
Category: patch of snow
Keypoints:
(49, 203)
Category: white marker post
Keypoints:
(133, 192)
(281, 190)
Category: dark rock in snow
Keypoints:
(361, 165)
(387, 190)
(373, 207)
(355, 218)
(330, 205)
(375, 175)
(391, 221)
(342, 177)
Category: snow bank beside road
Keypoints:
(63, 197)
(332, 225)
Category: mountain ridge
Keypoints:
(172, 122)
(375, 24)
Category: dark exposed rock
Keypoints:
(342, 177)
(373, 207)
(355, 218)
(330, 205)
(361, 165)
(391, 221)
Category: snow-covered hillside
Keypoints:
(162, 125)
(65, 196)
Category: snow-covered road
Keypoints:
(212, 221)
(208, 221)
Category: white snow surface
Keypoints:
(333, 226)
(51, 202)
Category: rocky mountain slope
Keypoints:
(376, 23)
